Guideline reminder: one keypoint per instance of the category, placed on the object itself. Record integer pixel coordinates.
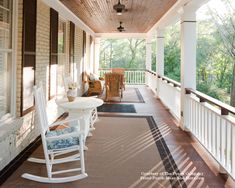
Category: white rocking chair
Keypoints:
(56, 143)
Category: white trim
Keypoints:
(14, 56)
(68, 14)
(121, 35)
(5, 50)
(174, 13)
(62, 19)
(170, 16)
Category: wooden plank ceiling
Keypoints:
(99, 15)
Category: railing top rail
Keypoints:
(151, 72)
(126, 69)
(225, 108)
(175, 83)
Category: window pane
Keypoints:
(61, 56)
(28, 82)
(61, 37)
(53, 80)
(5, 56)
(5, 83)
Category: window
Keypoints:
(5, 56)
(61, 55)
(28, 55)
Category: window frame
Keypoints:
(13, 50)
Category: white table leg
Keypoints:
(84, 125)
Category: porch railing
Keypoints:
(209, 120)
(167, 90)
(213, 124)
(132, 76)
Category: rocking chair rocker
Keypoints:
(56, 143)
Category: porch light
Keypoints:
(119, 8)
(120, 28)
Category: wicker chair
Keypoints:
(113, 85)
(95, 86)
(120, 71)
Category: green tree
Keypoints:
(126, 53)
(226, 28)
(172, 52)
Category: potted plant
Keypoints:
(72, 91)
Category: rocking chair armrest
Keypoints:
(66, 135)
(65, 121)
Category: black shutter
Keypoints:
(53, 52)
(83, 52)
(28, 55)
(71, 48)
(53, 36)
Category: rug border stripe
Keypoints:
(160, 143)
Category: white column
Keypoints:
(159, 58)
(97, 55)
(160, 52)
(148, 62)
(148, 53)
(188, 59)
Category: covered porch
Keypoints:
(183, 137)
(123, 150)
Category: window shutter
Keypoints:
(53, 36)
(28, 55)
(71, 47)
(54, 19)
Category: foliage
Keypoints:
(213, 91)
(154, 46)
(126, 53)
(172, 52)
(215, 53)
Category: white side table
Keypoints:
(81, 106)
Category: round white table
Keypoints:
(83, 107)
(80, 103)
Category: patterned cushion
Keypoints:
(62, 143)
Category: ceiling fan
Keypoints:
(119, 8)
(120, 28)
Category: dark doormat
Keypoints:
(122, 108)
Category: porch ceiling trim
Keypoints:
(68, 14)
(121, 35)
